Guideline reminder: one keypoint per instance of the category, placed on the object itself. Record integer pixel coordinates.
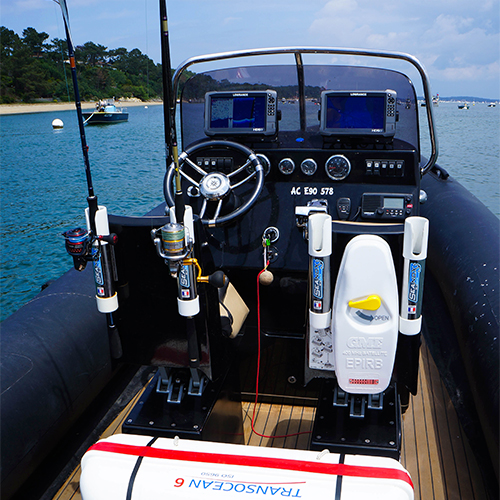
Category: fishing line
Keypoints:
(147, 47)
(252, 422)
(62, 52)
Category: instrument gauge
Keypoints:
(309, 166)
(286, 166)
(337, 167)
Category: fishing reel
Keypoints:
(79, 244)
(173, 243)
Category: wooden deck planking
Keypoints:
(420, 454)
(289, 426)
(459, 470)
(70, 490)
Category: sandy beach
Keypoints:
(16, 109)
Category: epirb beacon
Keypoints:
(241, 113)
(354, 113)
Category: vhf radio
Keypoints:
(386, 206)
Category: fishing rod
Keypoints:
(95, 243)
(92, 199)
(175, 241)
(169, 103)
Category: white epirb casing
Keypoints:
(183, 469)
(365, 340)
(104, 304)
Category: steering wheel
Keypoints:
(216, 186)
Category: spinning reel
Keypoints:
(80, 245)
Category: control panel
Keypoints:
(385, 168)
(336, 167)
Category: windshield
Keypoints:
(298, 106)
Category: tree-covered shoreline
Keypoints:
(34, 69)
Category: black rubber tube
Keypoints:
(54, 359)
(464, 241)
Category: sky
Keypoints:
(457, 41)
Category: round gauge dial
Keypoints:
(337, 167)
(286, 166)
(309, 166)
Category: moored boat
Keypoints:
(303, 263)
(105, 112)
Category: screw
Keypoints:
(292, 379)
(151, 422)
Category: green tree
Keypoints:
(34, 69)
(35, 41)
(91, 54)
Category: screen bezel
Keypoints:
(270, 122)
(388, 129)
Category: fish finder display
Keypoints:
(239, 113)
(358, 113)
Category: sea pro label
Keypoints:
(415, 288)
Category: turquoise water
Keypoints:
(43, 187)
(469, 148)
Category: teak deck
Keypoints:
(435, 451)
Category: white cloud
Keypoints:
(452, 38)
(231, 20)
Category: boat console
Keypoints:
(308, 177)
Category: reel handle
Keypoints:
(218, 279)
(110, 238)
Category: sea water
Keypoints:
(43, 186)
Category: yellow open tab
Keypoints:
(370, 303)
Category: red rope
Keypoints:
(258, 369)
